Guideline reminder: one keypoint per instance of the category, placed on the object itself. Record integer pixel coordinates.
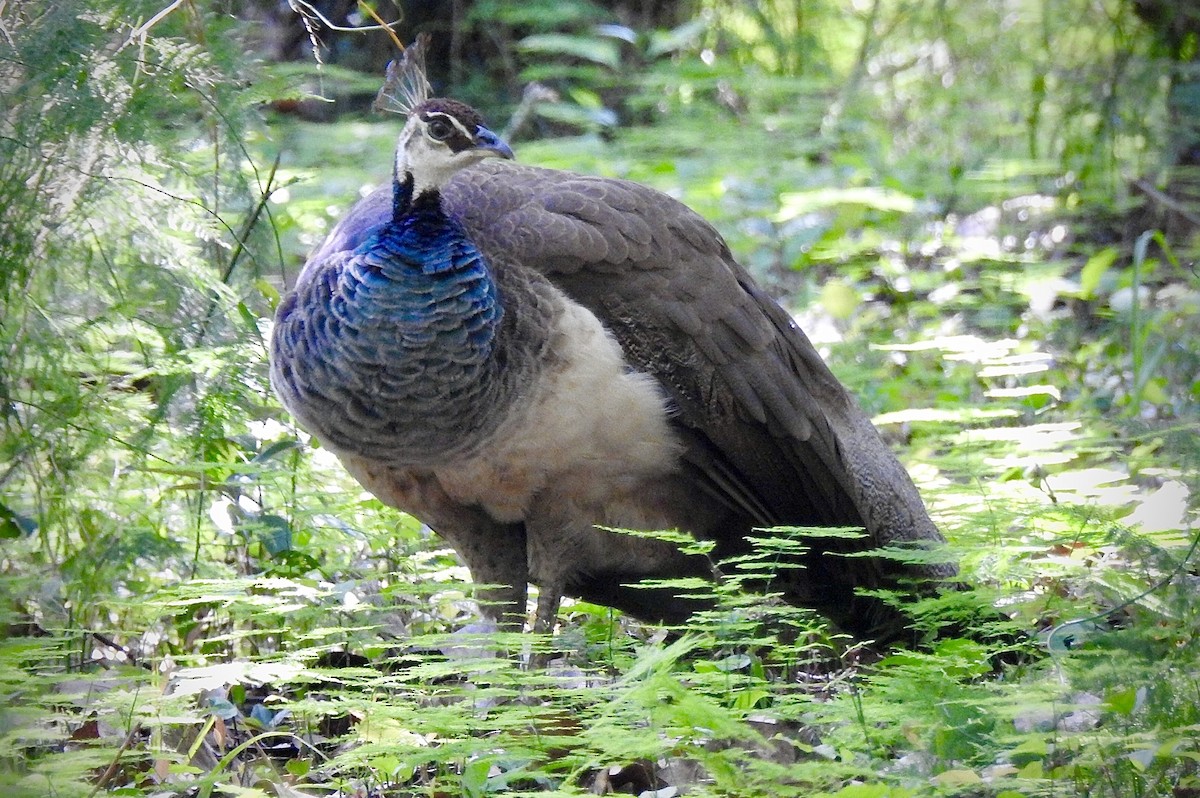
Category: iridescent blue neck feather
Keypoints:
(421, 282)
(378, 347)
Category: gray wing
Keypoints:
(767, 426)
(739, 370)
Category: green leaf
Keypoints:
(733, 663)
(222, 708)
(1122, 702)
(840, 299)
(475, 777)
(663, 42)
(276, 448)
(957, 778)
(1036, 746)
(796, 204)
(747, 700)
(1032, 770)
(1154, 391)
(387, 764)
(249, 317)
(13, 525)
(872, 791)
(589, 48)
(275, 533)
(261, 716)
(268, 292)
(1094, 270)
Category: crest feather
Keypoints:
(405, 86)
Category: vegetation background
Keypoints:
(984, 213)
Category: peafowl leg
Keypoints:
(504, 604)
(549, 599)
(552, 538)
(496, 556)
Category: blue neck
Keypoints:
(424, 286)
(395, 349)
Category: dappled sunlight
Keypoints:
(205, 679)
(1164, 509)
(968, 348)
(978, 213)
(1104, 485)
(1048, 436)
(1022, 392)
(1023, 460)
(961, 415)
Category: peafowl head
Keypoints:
(442, 137)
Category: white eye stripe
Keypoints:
(438, 115)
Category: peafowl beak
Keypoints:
(487, 140)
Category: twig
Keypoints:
(857, 74)
(302, 6)
(111, 770)
(1167, 201)
(387, 26)
(107, 641)
(240, 237)
(139, 33)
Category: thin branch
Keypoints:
(264, 197)
(857, 73)
(1167, 201)
(239, 238)
(111, 770)
(302, 6)
(138, 34)
(387, 26)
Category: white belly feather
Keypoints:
(589, 429)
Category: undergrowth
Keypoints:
(196, 601)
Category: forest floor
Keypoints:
(1041, 388)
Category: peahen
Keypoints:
(523, 357)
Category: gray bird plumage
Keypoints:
(633, 376)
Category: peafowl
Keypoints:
(528, 359)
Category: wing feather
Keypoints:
(666, 284)
(768, 428)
